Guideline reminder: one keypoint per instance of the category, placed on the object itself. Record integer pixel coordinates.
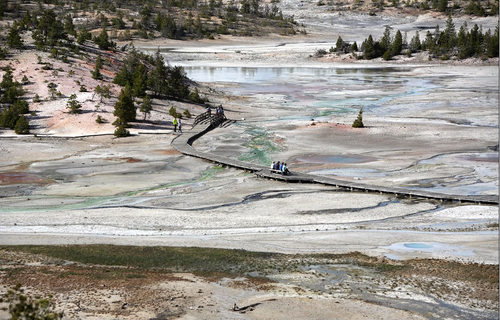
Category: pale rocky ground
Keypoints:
(139, 191)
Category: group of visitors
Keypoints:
(280, 166)
(219, 111)
(177, 125)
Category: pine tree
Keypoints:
(22, 126)
(103, 40)
(442, 5)
(385, 42)
(358, 123)
(14, 38)
(397, 45)
(368, 48)
(157, 81)
(125, 110)
(73, 105)
(492, 45)
(96, 74)
(339, 46)
(146, 106)
(69, 27)
(354, 47)
(415, 44)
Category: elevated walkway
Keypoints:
(205, 123)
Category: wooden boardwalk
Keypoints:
(184, 144)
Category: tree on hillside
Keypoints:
(177, 85)
(157, 81)
(22, 125)
(102, 40)
(96, 74)
(103, 91)
(14, 38)
(73, 105)
(83, 35)
(146, 106)
(125, 110)
(442, 5)
(69, 27)
(49, 30)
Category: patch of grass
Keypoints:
(200, 260)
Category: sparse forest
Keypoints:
(446, 44)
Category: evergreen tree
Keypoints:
(415, 44)
(9, 117)
(73, 105)
(22, 126)
(177, 85)
(492, 45)
(125, 110)
(83, 35)
(339, 46)
(69, 27)
(385, 42)
(146, 106)
(14, 38)
(358, 123)
(21, 106)
(102, 40)
(354, 47)
(49, 30)
(448, 39)
(397, 45)
(369, 48)
(96, 74)
(442, 5)
(103, 92)
(140, 81)
(157, 81)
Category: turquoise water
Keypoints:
(417, 246)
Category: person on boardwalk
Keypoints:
(277, 166)
(180, 125)
(273, 165)
(175, 124)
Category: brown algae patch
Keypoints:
(7, 178)
(168, 152)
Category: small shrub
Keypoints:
(22, 306)
(320, 53)
(100, 120)
(121, 131)
(83, 88)
(187, 114)
(37, 98)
